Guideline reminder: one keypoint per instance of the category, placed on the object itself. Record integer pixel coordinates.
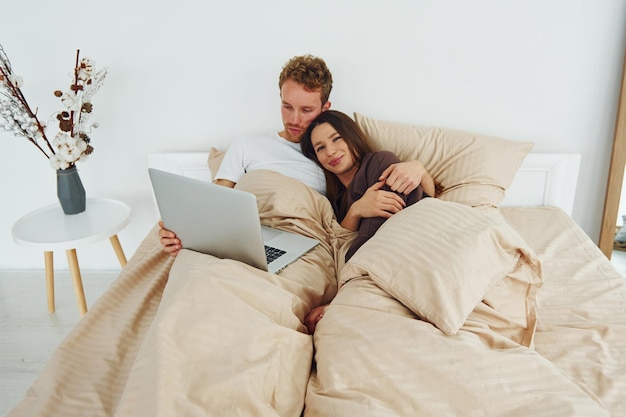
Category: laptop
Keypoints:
(223, 222)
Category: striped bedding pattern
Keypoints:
(203, 336)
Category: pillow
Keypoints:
(215, 160)
(441, 258)
(467, 167)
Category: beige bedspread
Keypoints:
(201, 336)
(375, 358)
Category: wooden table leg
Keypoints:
(49, 263)
(115, 242)
(72, 260)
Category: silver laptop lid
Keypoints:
(216, 220)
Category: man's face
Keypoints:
(298, 108)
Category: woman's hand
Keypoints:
(171, 244)
(374, 203)
(315, 315)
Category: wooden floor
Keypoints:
(29, 334)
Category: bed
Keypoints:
(479, 302)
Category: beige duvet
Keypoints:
(447, 311)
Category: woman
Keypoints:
(359, 196)
(354, 183)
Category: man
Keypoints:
(305, 83)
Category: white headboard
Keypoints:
(189, 164)
(544, 179)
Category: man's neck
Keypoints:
(283, 134)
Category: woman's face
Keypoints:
(333, 153)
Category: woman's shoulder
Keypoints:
(381, 158)
(373, 164)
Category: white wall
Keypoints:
(189, 73)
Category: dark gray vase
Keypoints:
(70, 191)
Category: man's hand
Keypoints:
(404, 177)
(171, 244)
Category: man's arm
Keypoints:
(404, 177)
(225, 183)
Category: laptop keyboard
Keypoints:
(272, 253)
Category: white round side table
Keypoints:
(49, 229)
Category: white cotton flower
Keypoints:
(85, 69)
(69, 148)
(83, 75)
(60, 139)
(81, 145)
(68, 154)
(57, 163)
(71, 141)
(72, 150)
(70, 101)
(54, 162)
(88, 64)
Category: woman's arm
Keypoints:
(374, 203)
(315, 315)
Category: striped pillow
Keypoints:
(468, 168)
(441, 259)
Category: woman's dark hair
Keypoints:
(351, 134)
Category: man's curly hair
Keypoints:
(311, 72)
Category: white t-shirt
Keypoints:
(272, 152)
